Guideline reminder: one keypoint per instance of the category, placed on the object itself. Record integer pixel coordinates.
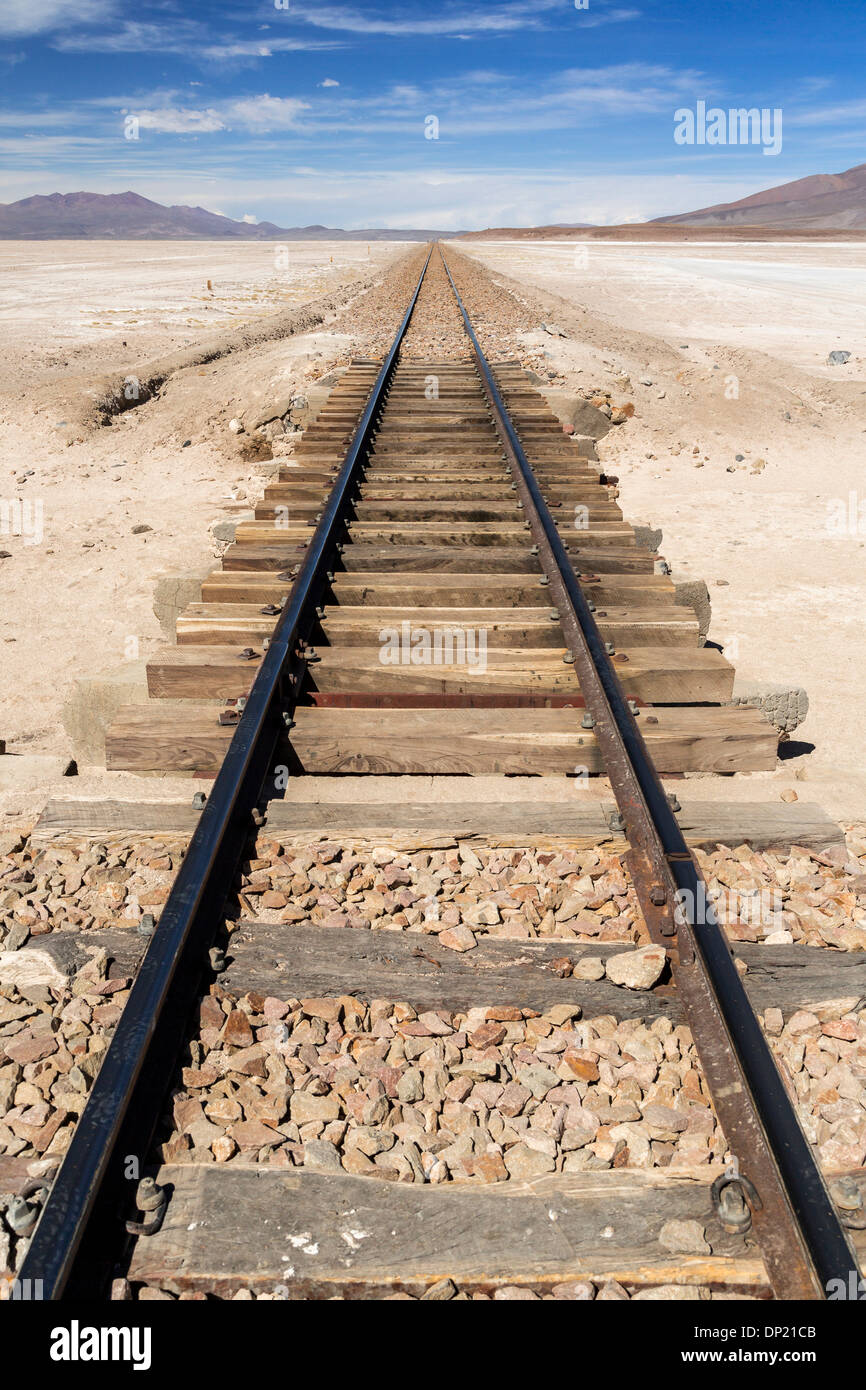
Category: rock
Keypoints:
(611, 1291)
(577, 1137)
(523, 1162)
(321, 1156)
(357, 1163)
(580, 1065)
(589, 968)
(305, 1107)
(554, 330)
(440, 1292)
(579, 1292)
(560, 1014)
(371, 1140)
(636, 969)
(668, 1293)
(577, 413)
(237, 1030)
(236, 426)
(252, 1134)
(663, 1117)
(512, 1293)
(30, 1047)
(513, 1099)
(329, 1010)
(488, 1167)
(458, 938)
(140, 529)
(538, 1080)
(410, 1087)
(485, 914)
(837, 357)
(684, 1238)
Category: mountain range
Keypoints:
(821, 203)
(129, 217)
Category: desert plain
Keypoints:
(745, 449)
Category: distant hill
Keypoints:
(664, 231)
(129, 217)
(821, 201)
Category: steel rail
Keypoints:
(80, 1230)
(794, 1219)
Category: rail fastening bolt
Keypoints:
(20, 1216)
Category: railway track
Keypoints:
(438, 587)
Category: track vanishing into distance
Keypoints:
(437, 585)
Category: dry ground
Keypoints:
(735, 341)
(78, 585)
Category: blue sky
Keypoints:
(301, 111)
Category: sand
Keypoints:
(77, 592)
(735, 342)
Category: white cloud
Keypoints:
(186, 37)
(329, 82)
(177, 120)
(258, 115)
(22, 18)
(843, 114)
(249, 219)
(265, 112)
(453, 21)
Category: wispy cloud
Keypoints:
(183, 36)
(24, 18)
(479, 103)
(457, 21)
(844, 113)
(258, 114)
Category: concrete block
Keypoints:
(20, 772)
(586, 446)
(94, 702)
(171, 595)
(785, 706)
(693, 593)
(224, 530)
(648, 537)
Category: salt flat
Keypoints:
(73, 295)
(797, 300)
(734, 345)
